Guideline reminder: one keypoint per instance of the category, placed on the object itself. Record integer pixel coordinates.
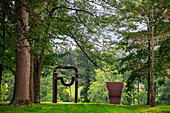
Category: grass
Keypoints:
(82, 108)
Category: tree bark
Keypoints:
(31, 81)
(152, 90)
(152, 64)
(21, 88)
(38, 64)
(149, 77)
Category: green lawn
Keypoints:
(81, 108)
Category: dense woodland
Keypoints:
(107, 40)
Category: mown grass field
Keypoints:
(81, 108)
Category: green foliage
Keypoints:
(66, 93)
(163, 60)
(134, 97)
(4, 89)
(164, 94)
(46, 89)
(8, 86)
(98, 92)
(86, 70)
(7, 34)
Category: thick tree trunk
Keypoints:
(149, 77)
(31, 81)
(38, 64)
(21, 88)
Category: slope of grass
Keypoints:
(81, 108)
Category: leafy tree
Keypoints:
(67, 22)
(22, 57)
(131, 15)
(63, 20)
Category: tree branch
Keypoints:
(111, 5)
(61, 7)
(84, 51)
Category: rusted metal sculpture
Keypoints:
(114, 91)
(55, 78)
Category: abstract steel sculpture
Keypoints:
(55, 78)
(114, 91)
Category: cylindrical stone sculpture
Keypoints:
(114, 91)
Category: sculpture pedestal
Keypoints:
(114, 91)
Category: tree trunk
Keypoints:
(21, 88)
(152, 90)
(36, 89)
(70, 93)
(31, 81)
(149, 77)
(3, 47)
(155, 90)
(37, 75)
(152, 64)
